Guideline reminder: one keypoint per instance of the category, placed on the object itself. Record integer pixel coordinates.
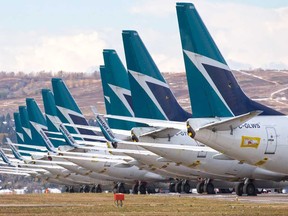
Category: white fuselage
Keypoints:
(206, 162)
(261, 141)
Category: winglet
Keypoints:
(106, 130)
(48, 144)
(15, 152)
(67, 136)
(4, 157)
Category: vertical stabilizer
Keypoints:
(213, 89)
(151, 95)
(116, 88)
(67, 108)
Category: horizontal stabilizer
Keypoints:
(40, 148)
(231, 123)
(161, 133)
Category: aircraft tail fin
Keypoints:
(18, 128)
(38, 125)
(52, 119)
(116, 88)
(36, 118)
(67, 108)
(213, 89)
(24, 118)
(151, 95)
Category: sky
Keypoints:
(69, 35)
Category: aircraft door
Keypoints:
(271, 140)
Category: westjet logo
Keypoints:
(199, 61)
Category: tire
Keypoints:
(172, 188)
(249, 189)
(71, 189)
(142, 189)
(178, 187)
(186, 188)
(93, 189)
(151, 190)
(98, 189)
(239, 189)
(209, 188)
(86, 189)
(200, 187)
(135, 189)
(121, 188)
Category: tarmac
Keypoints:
(260, 198)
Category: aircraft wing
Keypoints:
(170, 146)
(93, 128)
(93, 155)
(92, 159)
(14, 173)
(100, 146)
(41, 148)
(151, 122)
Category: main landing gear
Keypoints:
(205, 187)
(142, 188)
(180, 186)
(247, 187)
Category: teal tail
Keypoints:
(52, 119)
(18, 128)
(19, 132)
(151, 95)
(213, 89)
(67, 109)
(38, 125)
(116, 88)
(25, 125)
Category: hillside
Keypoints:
(270, 87)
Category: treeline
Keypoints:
(14, 85)
(48, 74)
(7, 128)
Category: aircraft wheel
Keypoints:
(172, 188)
(71, 189)
(86, 189)
(98, 189)
(142, 188)
(239, 189)
(186, 187)
(135, 188)
(178, 187)
(209, 188)
(93, 189)
(121, 188)
(249, 189)
(200, 187)
(151, 190)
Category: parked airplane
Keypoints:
(246, 171)
(248, 137)
(70, 113)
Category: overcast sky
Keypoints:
(70, 35)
